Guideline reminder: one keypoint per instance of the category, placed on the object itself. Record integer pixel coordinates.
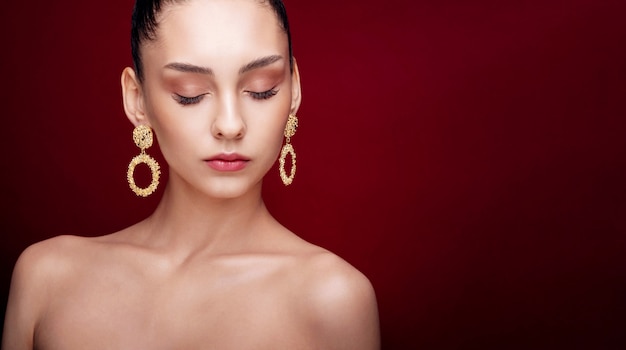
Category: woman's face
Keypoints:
(217, 91)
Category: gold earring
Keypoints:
(290, 130)
(142, 135)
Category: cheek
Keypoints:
(175, 129)
(266, 133)
(267, 124)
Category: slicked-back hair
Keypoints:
(144, 25)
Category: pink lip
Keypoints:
(227, 162)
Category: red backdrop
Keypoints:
(468, 156)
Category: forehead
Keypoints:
(214, 31)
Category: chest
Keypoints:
(203, 312)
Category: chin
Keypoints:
(224, 186)
(229, 188)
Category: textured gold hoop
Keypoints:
(290, 130)
(287, 149)
(142, 135)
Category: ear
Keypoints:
(296, 93)
(133, 98)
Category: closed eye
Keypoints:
(185, 101)
(263, 95)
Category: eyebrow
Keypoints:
(191, 68)
(260, 62)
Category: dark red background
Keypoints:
(468, 156)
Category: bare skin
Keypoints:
(273, 291)
(210, 268)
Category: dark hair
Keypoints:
(144, 25)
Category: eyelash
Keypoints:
(186, 101)
(263, 95)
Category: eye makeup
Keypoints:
(185, 101)
(189, 87)
(264, 95)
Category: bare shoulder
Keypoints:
(36, 271)
(340, 302)
(42, 259)
(46, 263)
(332, 277)
(51, 256)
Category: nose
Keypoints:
(229, 123)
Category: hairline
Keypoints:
(146, 34)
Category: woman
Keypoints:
(210, 268)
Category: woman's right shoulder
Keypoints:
(54, 245)
(41, 271)
(52, 248)
(51, 257)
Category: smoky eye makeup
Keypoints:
(263, 85)
(259, 84)
(186, 91)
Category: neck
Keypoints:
(187, 221)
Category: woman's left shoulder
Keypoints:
(335, 277)
(341, 302)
